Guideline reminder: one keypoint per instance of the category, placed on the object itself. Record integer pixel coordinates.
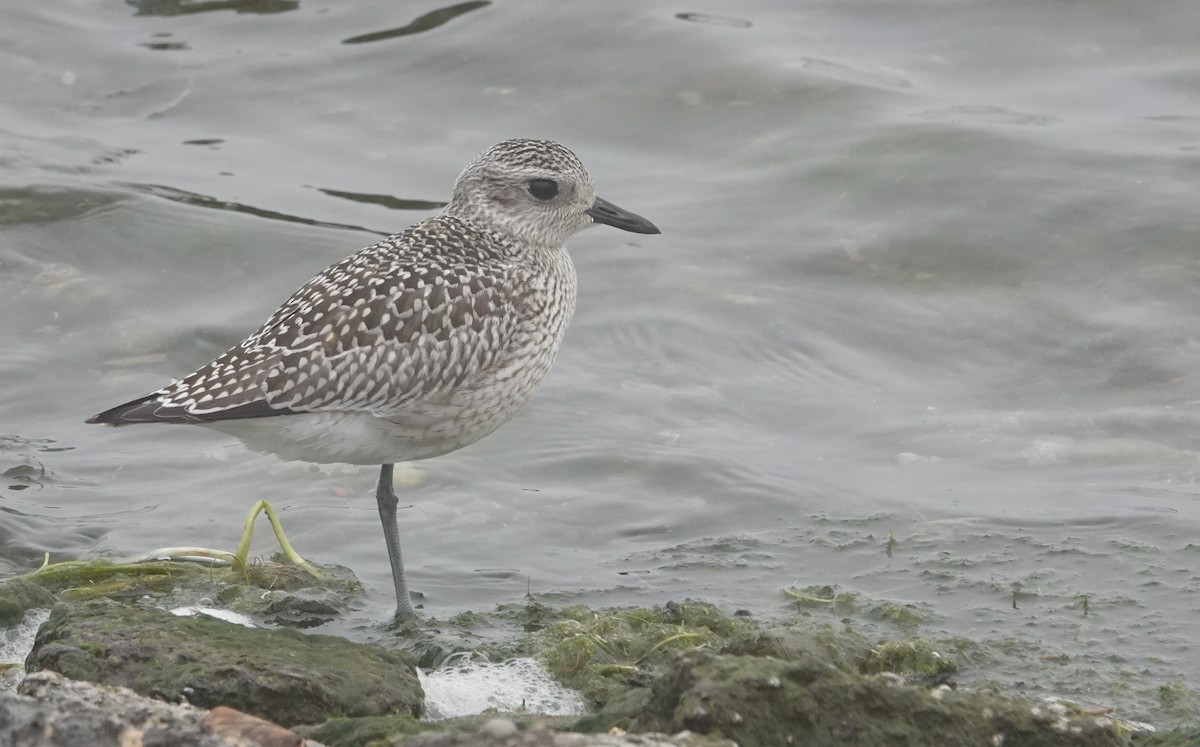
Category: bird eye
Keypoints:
(543, 189)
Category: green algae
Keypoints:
(261, 589)
(915, 659)
(17, 596)
(365, 731)
(907, 617)
(173, 577)
(602, 653)
(759, 701)
(826, 597)
(1179, 700)
(467, 620)
(78, 577)
(1183, 737)
(243, 550)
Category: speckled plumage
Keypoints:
(433, 336)
(417, 345)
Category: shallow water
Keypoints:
(927, 269)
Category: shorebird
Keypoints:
(415, 346)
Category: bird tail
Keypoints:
(148, 409)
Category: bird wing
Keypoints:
(415, 316)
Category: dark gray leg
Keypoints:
(385, 495)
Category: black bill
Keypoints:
(605, 212)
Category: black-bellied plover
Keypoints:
(415, 346)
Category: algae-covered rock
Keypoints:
(1182, 737)
(603, 653)
(364, 730)
(281, 675)
(915, 659)
(268, 590)
(17, 596)
(761, 701)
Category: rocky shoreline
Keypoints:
(109, 667)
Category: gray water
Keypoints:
(927, 268)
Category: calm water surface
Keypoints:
(927, 269)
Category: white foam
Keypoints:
(226, 615)
(465, 687)
(15, 645)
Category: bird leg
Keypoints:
(385, 495)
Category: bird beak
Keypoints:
(604, 211)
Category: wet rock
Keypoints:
(502, 732)
(52, 711)
(238, 729)
(761, 701)
(281, 675)
(18, 595)
(352, 732)
(508, 730)
(682, 670)
(1182, 737)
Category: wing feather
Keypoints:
(413, 317)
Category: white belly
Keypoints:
(420, 431)
(350, 438)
